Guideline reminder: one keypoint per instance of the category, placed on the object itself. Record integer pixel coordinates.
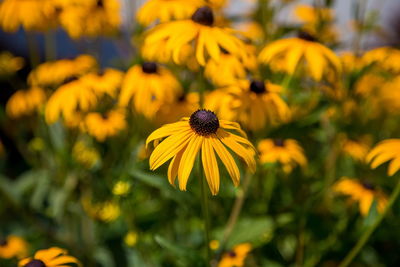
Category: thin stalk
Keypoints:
(270, 184)
(205, 210)
(50, 46)
(364, 238)
(33, 49)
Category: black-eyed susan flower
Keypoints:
(199, 31)
(253, 104)
(52, 257)
(148, 86)
(85, 154)
(287, 152)
(104, 125)
(9, 64)
(25, 102)
(166, 10)
(121, 188)
(131, 238)
(290, 52)
(204, 132)
(387, 150)
(251, 30)
(104, 82)
(13, 247)
(235, 257)
(362, 192)
(357, 149)
(385, 57)
(107, 211)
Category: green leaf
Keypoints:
(187, 255)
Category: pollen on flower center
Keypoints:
(306, 36)
(204, 16)
(258, 87)
(35, 263)
(149, 67)
(204, 122)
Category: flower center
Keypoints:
(100, 3)
(204, 16)
(258, 87)
(149, 67)
(368, 185)
(279, 142)
(306, 36)
(35, 263)
(232, 254)
(3, 242)
(204, 122)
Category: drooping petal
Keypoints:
(210, 165)
(227, 160)
(188, 157)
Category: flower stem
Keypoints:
(364, 238)
(204, 207)
(33, 48)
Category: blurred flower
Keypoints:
(236, 257)
(166, 10)
(252, 103)
(25, 102)
(85, 155)
(290, 51)
(54, 73)
(203, 130)
(9, 64)
(104, 82)
(351, 62)
(104, 125)
(36, 144)
(52, 257)
(387, 150)
(107, 211)
(385, 57)
(361, 192)
(214, 244)
(313, 15)
(252, 30)
(288, 152)
(200, 30)
(357, 149)
(131, 238)
(148, 86)
(121, 188)
(13, 247)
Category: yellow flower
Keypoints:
(357, 149)
(251, 103)
(312, 15)
(200, 29)
(131, 238)
(69, 99)
(385, 57)
(387, 150)
(288, 152)
(121, 188)
(214, 244)
(54, 73)
(104, 82)
(236, 257)
(85, 155)
(202, 131)
(52, 257)
(9, 64)
(148, 86)
(102, 126)
(25, 102)
(361, 192)
(166, 10)
(351, 62)
(13, 247)
(107, 211)
(290, 51)
(251, 30)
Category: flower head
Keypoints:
(13, 247)
(9, 64)
(25, 102)
(102, 126)
(236, 257)
(52, 257)
(104, 82)
(202, 131)
(387, 150)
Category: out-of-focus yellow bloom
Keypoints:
(251, 30)
(351, 62)
(313, 15)
(385, 57)
(288, 152)
(166, 10)
(131, 238)
(254, 104)
(369, 84)
(199, 30)
(105, 82)
(361, 192)
(36, 144)
(121, 188)
(183, 106)
(91, 18)
(68, 100)
(204, 132)
(236, 257)
(102, 126)
(52, 257)
(25, 102)
(54, 73)
(107, 211)
(9, 64)
(214, 244)
(387, 150)
(148, 86)
(13, 247)
(85, 155)
(357, 149)
(290, 52)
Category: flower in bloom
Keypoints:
(387, 150)
(131, 238)
(9, 64)
(361, 192)
(287, 152)
(105, 125)
(25, 102)
(52, 257)
(357, 149)
(85, 155)
(106, 211)
(121, 188)
(148, 86)
(204, 132)
(13, 247)
(385, 57)
(236, 257)
(104, 82)
(200, 29)
(290, 51)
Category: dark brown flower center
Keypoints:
(35, 263)
(204, 16)
(258, 87)
(368, 185)
(279, 142)
(100, 3)
(306, 36)
(3, 242)
(149, 67)
(204, 122)
(232, 254)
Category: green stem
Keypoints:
(204, 207)
(33, 48)
(270, 184)
(364, 238)
(50, 46)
